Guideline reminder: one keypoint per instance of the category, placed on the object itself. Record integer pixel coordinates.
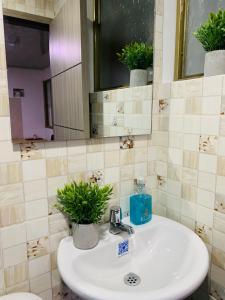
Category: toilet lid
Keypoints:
(20, 296)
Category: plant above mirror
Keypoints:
(83, 202)
(211, 34)
(137, 55)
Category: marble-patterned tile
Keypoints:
(32, 151)
(127, 142)
(204, 232)
(38, 247)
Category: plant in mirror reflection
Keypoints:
(211, 34)
(136, 55)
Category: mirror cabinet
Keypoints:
(64, 76)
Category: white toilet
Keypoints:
(20, 296)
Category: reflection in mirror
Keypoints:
(118, 23)
(54, 65)
(28, 65)
(47, 77)
(124, 32)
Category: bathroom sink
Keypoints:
(165, 261)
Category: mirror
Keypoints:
(65, 79)
(122, 102)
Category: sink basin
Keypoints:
(165, 261)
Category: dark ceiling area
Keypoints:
(27, 44)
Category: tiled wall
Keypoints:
(189, 137)
(121, 112)
(30, 227)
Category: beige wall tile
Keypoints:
(221, 166)
(54, 149)
(208, 163)
(14, 255)
(212, 86)
(189, 176)
(95, 161)
(5, 129)
(39, 266)
(219, 221)
(11, 194)
(56, 166)
(10, 173)
(127, 172)
(218, 258)
(36, 209)
(206, 198)
(55, 183)
(211, 105)
(4, 104)
(16, 274)
(207, 181)
(112, 158)
(13, 235)
(188, 192)
(77, 163)
(204, 216)
(46, 295)
(112, 175)
(190, 159)
(193, 105)
(34, 190)
(213, 129)
(9, 152)
(37, 228)
(11, 214)
(76, 147)
(21, 287)
(40, 283)
(34, 169)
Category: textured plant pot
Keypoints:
(85, 236)
(138, 77)
(214, 63)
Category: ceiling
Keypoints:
(27, 44)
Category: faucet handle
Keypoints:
(115, 214)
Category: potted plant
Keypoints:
(84, 204)
(137, 56)
(211, 35)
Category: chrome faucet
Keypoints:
(116, 226)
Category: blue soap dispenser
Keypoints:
(140, 204)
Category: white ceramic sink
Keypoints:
(170, 260)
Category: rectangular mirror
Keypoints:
(65, 80)
(121, 104)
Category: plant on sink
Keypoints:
(84, 203)
(138, 57)
(211, 35)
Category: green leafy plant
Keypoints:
(136, 56)
(83, 202)
(211, 34)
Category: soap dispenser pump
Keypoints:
(140, 204)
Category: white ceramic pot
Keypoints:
(214, 63)
(85, 236)
(138, 77)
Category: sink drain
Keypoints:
(132, 279)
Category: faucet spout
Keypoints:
(124, 227)
(116, 226)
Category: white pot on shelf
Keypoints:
(138, 77)
(214, 63)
